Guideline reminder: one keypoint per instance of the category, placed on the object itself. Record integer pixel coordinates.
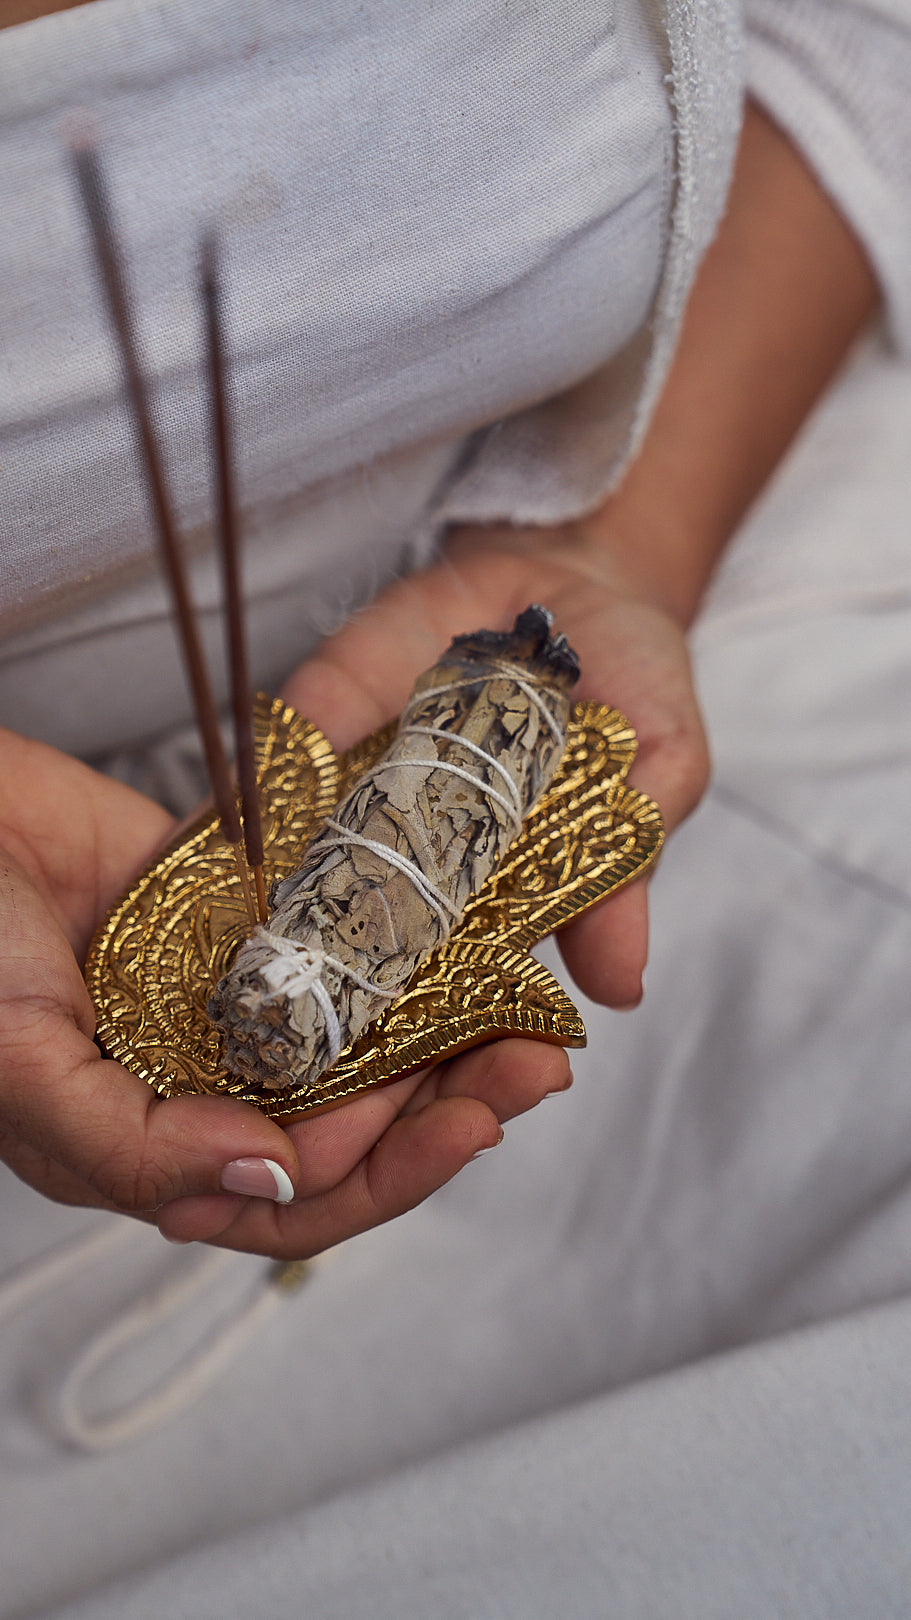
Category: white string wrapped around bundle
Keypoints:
(384, 882)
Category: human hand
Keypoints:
(377, 1156)
(633, 656)
(780, 296)
(82, 1130)
(407, 1138)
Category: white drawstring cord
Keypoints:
(33, 1277)
(193, 1374)
(190, 1378)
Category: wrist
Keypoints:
(779, 299)
(636, 554)
(571, 567)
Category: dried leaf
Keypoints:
(380, 887)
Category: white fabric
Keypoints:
(417, 203)
(732, 1165)
(410, 269)
(699, 1496)
(587, 435)
(108, 675)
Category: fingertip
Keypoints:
(429, 1147)
(482, 1152)
(258, 1178)
(522, 1072)
(506, 1076)
(199, 1218)
(148, 1152)
(626, 1001)
(606, 950)
(344, 708)
(210, 1134)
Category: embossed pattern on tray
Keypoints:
(162, 946)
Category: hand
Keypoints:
(633, 655)
(82, 1130)
(379, 1155)
(77, 1127)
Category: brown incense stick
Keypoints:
(229, 546)
(94, 198)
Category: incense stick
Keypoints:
(95, 202)
(229, 547)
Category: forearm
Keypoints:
(780, 297)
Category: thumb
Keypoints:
(81, 1128)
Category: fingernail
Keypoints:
(258, 1178)
(481, 1151)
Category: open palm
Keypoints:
(83, 1130)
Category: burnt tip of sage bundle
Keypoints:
(529, 643)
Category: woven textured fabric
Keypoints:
(431, 218)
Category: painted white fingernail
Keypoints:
(258, 1178)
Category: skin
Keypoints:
(20, 11)
(780, 297)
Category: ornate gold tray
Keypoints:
(161, 948)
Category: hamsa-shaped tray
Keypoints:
(163, 946)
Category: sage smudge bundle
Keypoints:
(391, 872)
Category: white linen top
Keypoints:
(457, 242)
(444, 232)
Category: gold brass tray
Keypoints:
(162, 947)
